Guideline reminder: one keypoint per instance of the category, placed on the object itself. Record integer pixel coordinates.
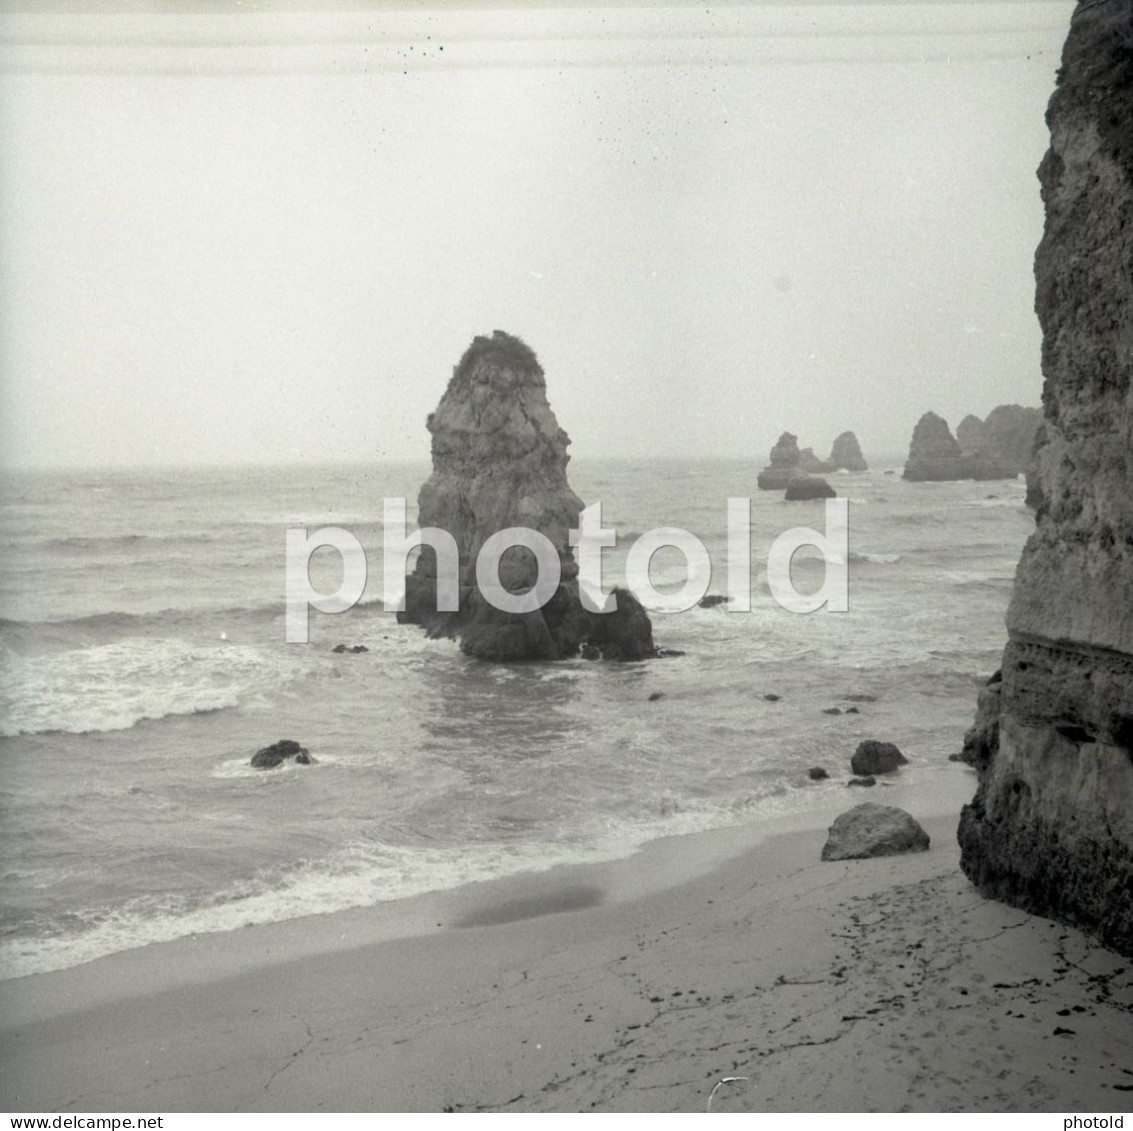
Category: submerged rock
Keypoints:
(867, 781)
(870, 829)
(784, 464)
(803, 487)
(846, 454)
(1050, 828)
(873, 757)
(285, 750)
(499, 461)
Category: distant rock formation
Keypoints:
(811, 464)
(971, 434)
(809, 487)
(934, 455)
(1010, 430)
(1051, 826)
(870, 829)
(784, 464)
(846, 454)
(933, 451)
(499, 461)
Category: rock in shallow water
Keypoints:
(873, 757)
(499, 462)
(285, 750)
(803, 487)
(873, 830)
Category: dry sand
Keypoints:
(884, 984)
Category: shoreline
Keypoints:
(883, 984)
(663, 862)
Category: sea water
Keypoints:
(143, 661)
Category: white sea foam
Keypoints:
(113, 686)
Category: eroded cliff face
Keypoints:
(1051, 826)
(499, 461)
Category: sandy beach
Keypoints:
(885, 984)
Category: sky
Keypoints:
(265, 234)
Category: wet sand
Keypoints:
(638, 985)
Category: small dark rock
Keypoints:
(852, 711)
(655, 695)
(862, 781)
(284, 750)
(665, 653)
(873, 757)
(771, 697)
(817, 773)
(711, 600)
(341, 648)
(831, 710)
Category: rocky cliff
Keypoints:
(499, 461)
(1051, 826)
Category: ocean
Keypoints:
(143, 661)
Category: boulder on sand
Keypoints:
(870, 829)
(873, 757)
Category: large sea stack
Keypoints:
(1051, 825)
(499, 461)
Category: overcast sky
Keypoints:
(266, 235)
